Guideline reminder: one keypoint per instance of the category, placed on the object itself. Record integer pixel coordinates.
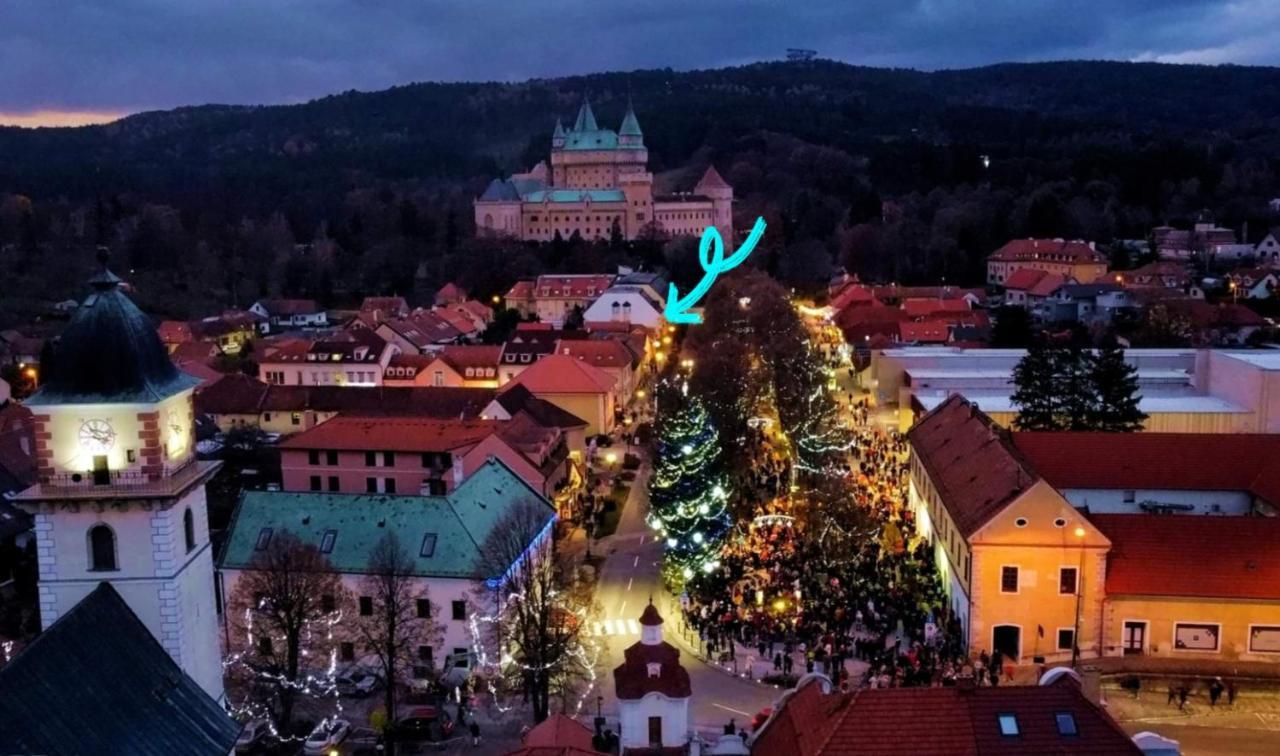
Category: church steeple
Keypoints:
(629, 135)
(586, 119)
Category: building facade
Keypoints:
(599, 184)
(1077, 260)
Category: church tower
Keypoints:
(120, 495)
(653, 690)
(714, 187)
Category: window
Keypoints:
(326, 541)
(1008, 724)
(264, 540)
(1195, 636)
(331, 458)
(1264, 639)
(389, 485)
(189, 528)
(388, 459)
(460, 610)
(1060, 523)
(438, 378)
(428, 545)
(347, 651)
(370, 459)
(424, 608)
(333, 483)
(102, 549)
(1021, 522)
(371, 485)
(131, 456)
(366, 606)
(328, 604)
(1066, 723)
(1008, 579)
(1067, 581)
(315, 482)
(1130, 497)
(460, 657)
(1066, 639)
(426, 654)
(264, 645)
(296, 418)
(313, 456)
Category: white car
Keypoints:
(357, 682)
(253, 735)
(327, 735)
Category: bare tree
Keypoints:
(403, 616)
(537, 643)
(283, 612)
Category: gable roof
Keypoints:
(1159, 461)
(562, 374)
(928, 332)
(1147, 550)
(1050, 250)
(515, 398)
(405, 434)
(971, 461)
(237, 394)
(96, 682)
(283, 307)
(471, 356)
(812, 721)
(601, 353)
(460, 522)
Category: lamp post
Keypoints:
(1075, 632)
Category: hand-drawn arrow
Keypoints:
(711, 255)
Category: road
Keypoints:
(628, 579)
(1247, 739)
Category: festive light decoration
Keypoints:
(687, 493)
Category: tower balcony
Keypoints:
(173, 481)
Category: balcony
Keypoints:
(121, 484)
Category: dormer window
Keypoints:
(654, 669)
(524, 357)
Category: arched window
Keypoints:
(189, 528)
(102, 549)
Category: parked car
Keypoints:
(327, 735)
(425, 724)
(253, 736)
(357, 683)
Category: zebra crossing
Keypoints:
(616, 627)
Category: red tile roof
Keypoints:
(558, 732)
(174, 331)
(562, 374)
(1168, 461)
(520, 290)
(954, 721)
(407, 434)
(852, 294)
(450, 293)
(602, 353)
(1053, 250)
(1161, 556)
(386, 306)
(632, 681)
(279, 307)
(583, 286)
(1037, 283)
(921, 308)
(241, 395)
(971, 461)
(928, 332)
(477, 356)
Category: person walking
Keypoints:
(475, 733)
(1215, 691)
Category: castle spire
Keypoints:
(557, 136)
(586, 119)
(630, 126)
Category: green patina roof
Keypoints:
(586, 119)
(559, 132)
(109, 353)
(461, 521)
(630, 126)
(576, 195)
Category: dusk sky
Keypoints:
(63, 61)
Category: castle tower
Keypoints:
(653, 690)
(557, 136)
(713, 186)
(629, 134)
(120, 496)
(586, 119)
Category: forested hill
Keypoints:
(468, 130)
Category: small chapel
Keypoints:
(653, 690)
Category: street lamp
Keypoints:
(1075, 632)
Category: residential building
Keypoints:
(576, 387)
(449, 294)
(422, 332)
(444, 536)
(653, 690)
(599, 185)
(515, 399)
(96, 683)
(628, 304)
(553, 298)
(1077, 260)
(1253, 283)
(610, 355)
(471, 365)
(1163, 274)
(1031, 288)
(815, 719)
(119, 494)
(1205, 240)
(1047, 546)
(1267, 253)
(530, 343)
(379, 309)
(285, 314)
(356, 357)
(1088, 304)
(928, 332)
(1181, 390)
(420, 455)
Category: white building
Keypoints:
(653, 690)
(627, 304)
(284, 314)
(1268, 250)
(1183, 390)
(120, 496)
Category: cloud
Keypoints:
(129, 55)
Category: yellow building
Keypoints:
(1028, 573)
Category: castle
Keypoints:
(599, 178)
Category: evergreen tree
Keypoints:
(1115, 388)
(687, 492)
(1036, 390)
(1075, 395)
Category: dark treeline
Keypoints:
(876, 170)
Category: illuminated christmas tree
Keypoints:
(687, 492)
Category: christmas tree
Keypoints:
(687, 492)
(1115, 386)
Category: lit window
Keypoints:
(1066, 723)
(1008, 724)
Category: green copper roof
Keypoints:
(630, 126)
(109, 353)
(559, 132)
(600, 139)
(460, 522)
(576, 195)
(586, 119)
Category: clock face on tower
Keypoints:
(97, 436)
